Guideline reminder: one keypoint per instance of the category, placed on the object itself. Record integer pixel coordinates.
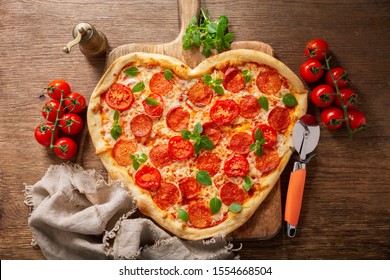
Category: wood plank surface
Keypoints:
(345, 213)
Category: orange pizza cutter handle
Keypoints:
(294, 197)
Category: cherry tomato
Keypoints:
(339, 74)
(71, 124)
(148, 178)
(75, 102)
(65, 148)
(316, 49)
(349, 96)
(43, 134)
(55, 88)
(119, 97)
(357, 120)
(322, 96)
(269, 134)
(49, 110)
(332, 117)
(311, 70)
(180, 148)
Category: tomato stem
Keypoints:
(55, 125)
(338, 94)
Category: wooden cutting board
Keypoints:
(267, 220)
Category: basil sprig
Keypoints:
(248, 183)
(201, 141)
(138, 159)
(247, 76)
(116, 129)
(215, 84)
(258, 145)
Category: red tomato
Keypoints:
(180, 148)
(357, 120)
(269, 134)
(65, 148)
(75, 102)
(148, 178)
(43, 134)
(71, 124)
(339, 75)
(55, 88)
(332, 117)
(311, 70)
(323, 95)
(49, 110)
(119, 97)
(349, 96)
(224, 111)
(316, 49)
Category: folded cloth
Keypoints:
(76, 214)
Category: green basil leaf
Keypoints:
(168, 74)
(235, 207)
(135, 164)
(215, 205)
(151, 102)
(203, 178)
(248, 183)
(218, 81)
(219, 90)
(247, 76)
(252, 147)
(116, 131)
(290, 100)
(131, 71)
(183, 215)
(228, 37)
(198, 128)
(212, 27)
(207, 79)
(263, 102)
(185, 134)
(259, 151)
(197, 147)
(258, 134)
(138, 87)
(206, 143)
(116, 115)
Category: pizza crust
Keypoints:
(142, 197)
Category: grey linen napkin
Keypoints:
(76, 214)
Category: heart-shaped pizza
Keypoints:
(199, 149)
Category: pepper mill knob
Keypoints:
(92, 42)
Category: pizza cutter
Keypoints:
(306, 134)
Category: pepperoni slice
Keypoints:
(231, 193)
(269, 134)
(166, 196)
(236, 166)
(233, 80)
(148, 178)
(159, 156)
(241, 143)
(180, 148)
(178, 118)
(141, 125)
(268, 161)
(209, 162)
(189, 187)
(119, 97)
(199, 214)
(224, 111)
(279, 118)
(122, 150)
(159, 84)
(154, 110)
(269, 82)
(200, 94)
(212, 130)
(249, 106)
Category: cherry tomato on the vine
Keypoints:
(339, 75)
(71, 124)
(65, 148)
(55, 87)
(349, 96)
(49, 110)
(332, 117)
(311, 70)
(323, 95)
(357, 120)
(75, 102)
(43, 134)
(316, 49)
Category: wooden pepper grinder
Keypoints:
(92, 43)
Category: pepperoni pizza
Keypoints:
(199, 149)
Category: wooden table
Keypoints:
(345, 212)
